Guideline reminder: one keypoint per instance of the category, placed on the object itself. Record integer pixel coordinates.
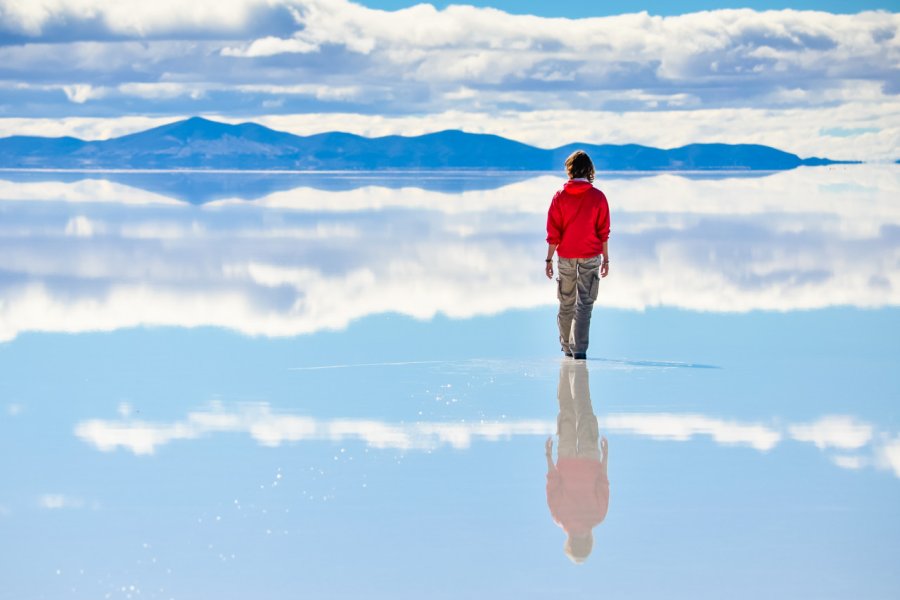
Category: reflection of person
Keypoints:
(577, 231)
(578, 484)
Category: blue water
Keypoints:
(349, 395)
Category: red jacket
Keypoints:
(578, 494)
(578, 220)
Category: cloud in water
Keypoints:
(272, 429)
(59, 502)
(289, 262)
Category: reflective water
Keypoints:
(343, 386)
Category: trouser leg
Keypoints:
(566, 292)
(587, 432)
(566, 421)
(587, 286)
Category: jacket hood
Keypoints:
(577, 187)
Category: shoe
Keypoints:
(579, 356)
(568, 354)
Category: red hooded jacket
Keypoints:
(578, 494)
(578, 220)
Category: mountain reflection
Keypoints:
(578, 483)
(202, 186)
(96, 254)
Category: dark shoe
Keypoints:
(568, 354)
(579, 356)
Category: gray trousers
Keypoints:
(578, 285)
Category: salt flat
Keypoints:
(349, 393)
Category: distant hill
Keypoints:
(198, 143)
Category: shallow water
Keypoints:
(346, 391)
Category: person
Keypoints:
(578, 232)
(578, 484)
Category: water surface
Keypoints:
(346, 390)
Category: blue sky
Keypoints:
(784, 78)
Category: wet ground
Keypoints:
(348, 393)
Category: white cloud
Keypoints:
(81, 93)
(675, 427)
(101, 191)
(809, 238)
(59, 501)
(273, 429)
(269, 46)
(888, 455)
(151, 230)
(834, 431)
(129, 17)
(882, 451)
(162, 90)
(87, 128)
(81, 226)
(773, 77)
(849, 461)
(467, 44)
(319, 232)
(322, 92)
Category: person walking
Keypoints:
(578, 232)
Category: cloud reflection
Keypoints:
(272, 429)
(59, 501)
(307, 259)
(675, 427)
(842, 432)
(92, 190)
(888, 455)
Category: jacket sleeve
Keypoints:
(603, 219)
(554, 222)
(554, 494)
(602, 494)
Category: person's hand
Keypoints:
(604, 268)
(548, 446)
(604, 447)
(548, 270)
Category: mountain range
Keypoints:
(198, 143)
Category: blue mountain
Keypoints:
(198, 143)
